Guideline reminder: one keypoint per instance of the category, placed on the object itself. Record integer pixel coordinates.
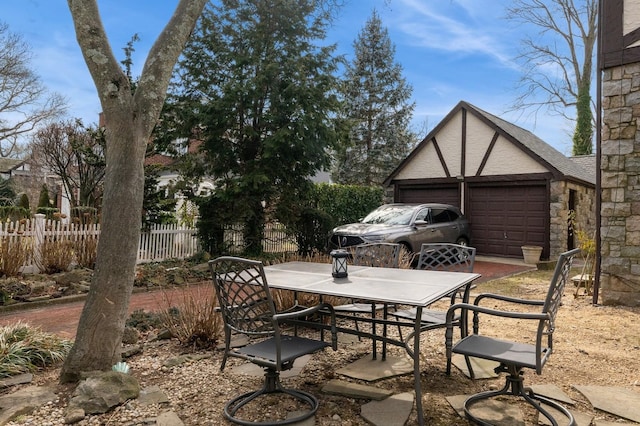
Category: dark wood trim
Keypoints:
(426, 181)
(424, 142)
(556, 173)
(463, 147)
(441, 157)
(487, 154)
(515, 180)
(614, 50)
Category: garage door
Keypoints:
(446, 194)
(504, 218)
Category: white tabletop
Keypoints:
(391, 285)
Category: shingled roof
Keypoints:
(582, 168)
(8, 164)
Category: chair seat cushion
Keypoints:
(505, 352)
(264, 352)
(429, 316)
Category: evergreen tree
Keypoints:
(7, 193)
(261, 94)
(377, 112)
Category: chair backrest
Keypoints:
(381, 255)
(243, 295)
(446, 257)
(552, 302)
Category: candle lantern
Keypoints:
(339, 263)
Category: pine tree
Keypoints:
(261, 94)
(378, 110)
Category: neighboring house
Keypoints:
(8, 166)
(168, 175)
(515, 189)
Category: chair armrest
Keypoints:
(465, 307)
(495, 312)
(325, 307)
(510, 299)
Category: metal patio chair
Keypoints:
(247, 308)
(514, 356)
(441, 257)
(379, 255)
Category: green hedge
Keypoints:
(347, 203)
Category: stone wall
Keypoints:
(620, 167)
(585, 214)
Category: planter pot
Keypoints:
(531, 254)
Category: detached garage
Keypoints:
(515, 189)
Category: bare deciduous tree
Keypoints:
(129, 119)
(76, 155)
(24, 101)
(558, 63)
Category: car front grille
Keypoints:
(345, 240)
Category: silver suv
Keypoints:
(407, 224)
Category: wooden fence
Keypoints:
(161, 242)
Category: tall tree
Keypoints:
(129, 118)
(24, 101)
(378, 110)
(558, 64)
(75, 154)
(258, 87)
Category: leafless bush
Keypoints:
(13, 255)
(56, 255)
(86, 251)
(194, 320)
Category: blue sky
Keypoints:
(450, 50)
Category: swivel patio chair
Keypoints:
(247, 308)
(441, 257)
(514, 356)
(380, 255)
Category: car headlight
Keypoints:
(376, 238)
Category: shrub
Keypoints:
(195, 320)
(55, 256)
(86, 251)
(13, 255)
(24, 349)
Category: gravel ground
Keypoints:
(594, 345)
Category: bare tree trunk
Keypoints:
(129, 118)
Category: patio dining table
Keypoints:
(415, 288)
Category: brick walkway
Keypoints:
(62, 318)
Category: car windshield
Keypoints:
(391, 215)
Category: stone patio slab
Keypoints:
(355, 390)
(496, 412)
(251, 369)
(553, 392)
(482, 368)
(392, 411)
(615, 400)
(372, 370)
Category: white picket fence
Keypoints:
(165, 242)
(161, 242)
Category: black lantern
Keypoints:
(339, 263)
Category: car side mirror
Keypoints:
(420, 223)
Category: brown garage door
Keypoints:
(446, 194)
(504, 218)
